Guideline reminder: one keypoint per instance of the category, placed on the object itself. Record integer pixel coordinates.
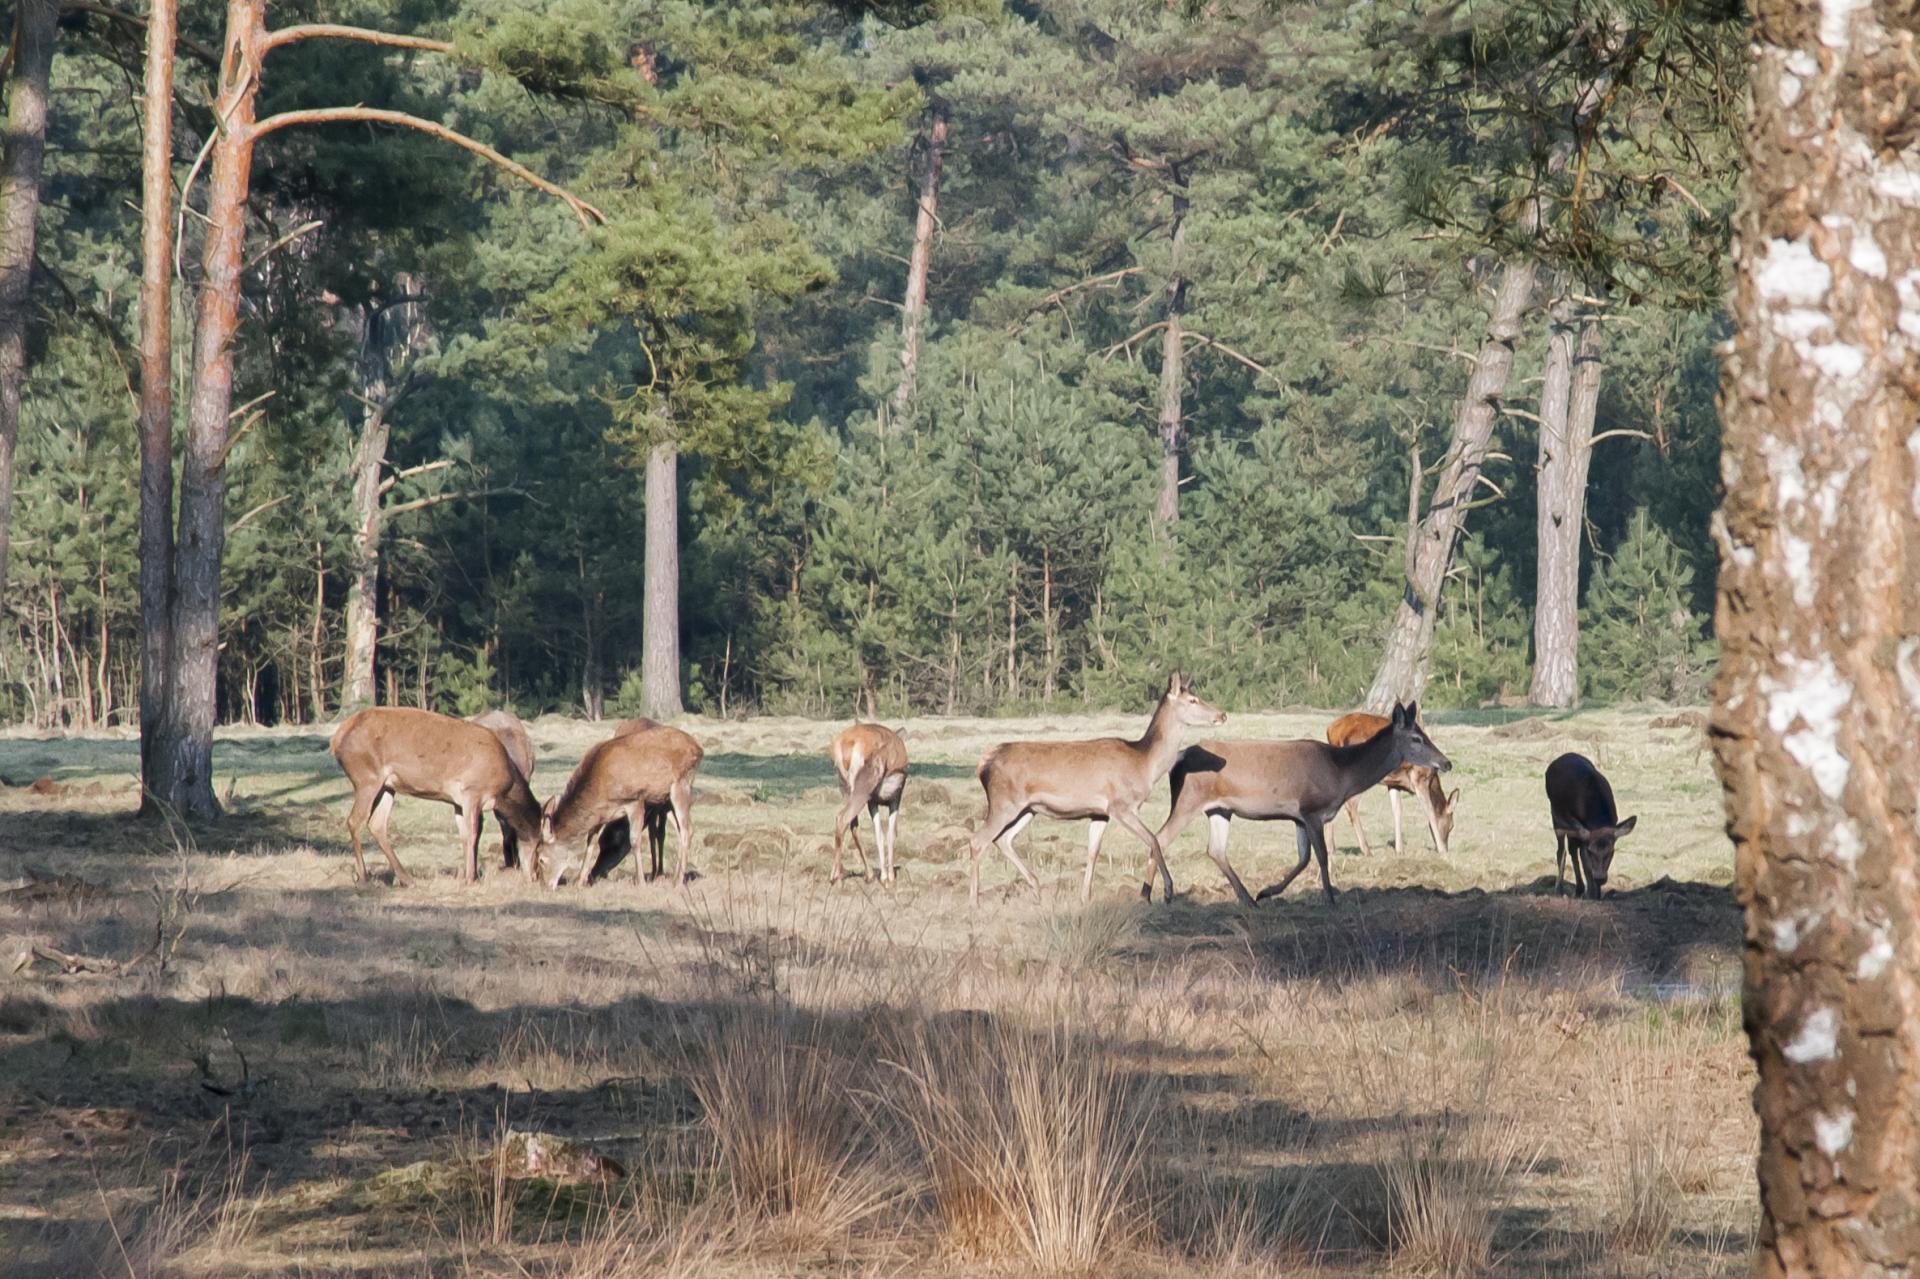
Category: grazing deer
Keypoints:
(642, 773)
(871, 761)
(1350, 730)
(389, 750)
(1585, 823)
(1103, 781)
(506, 726)
(1305, 782)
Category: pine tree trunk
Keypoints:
(1403, 668)
(660, 630)
(34, 29)
(925, 222)
(1166, 508)
(156, 401)
(1569, 398)
(1816, 730)
(362, 622)
(203, 488)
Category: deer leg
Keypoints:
(1559, 864)
(1096, 831)
(656, 867)
(1433, 818)
(1006, 846)
(848, 823)
(993, 823)
(1360, 832)
(466, 818)
(682, 797)
(1317, 832)
(1131, 820)
(363, 801)
(382, 813)
(1305, 845)
(1393, 797)
(1218, 825)
(890, 872)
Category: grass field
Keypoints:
(259, 1067)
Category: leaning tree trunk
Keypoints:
(35, 23)
(1403, 669)
(156, 402)
(1817, 724)
(914, 306)
(1569, 399)
(1166, 507)
(203, 487)
(660, 624)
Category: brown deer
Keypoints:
(1104, 780)
(871, 762)
(389, 750)
(642, 774)
(1304, 782)
(1585, 823)
(506, 726)
(1351, 730)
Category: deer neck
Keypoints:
(1365, 763)
(1159, 746)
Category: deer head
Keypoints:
(1187, 708)
(1594, 846)
(1411, 743)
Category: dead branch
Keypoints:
(1619, 432)
(1054, 298)
(412, 471)
(421, 503)
(268, 505)
(365, 35)
(587, 213)
(1126, 344)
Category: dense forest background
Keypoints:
(1258, 240)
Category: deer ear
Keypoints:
(1453, 800)
(1399, 715)
(1413, 711)
(1176, 683)
(1624, 827)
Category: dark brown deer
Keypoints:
(1304, 782)
(1351, 730)
(1101, 781)
(642, 774)
(1585, 824)
(871, 762)
(506, 726)
(389, 750)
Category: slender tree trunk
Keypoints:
(156, 402)
(1166, 508)
(201, 535)
(1816, 730)
(1403, 668)
(924, 223)
(34, 27)
(1569, 399)
(362, 620)
(660, 630)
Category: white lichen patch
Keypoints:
(1878, 955)
(1789, 89)
(1833, 1133)
(1818, 1040)
(1913, 451)
(1865, 256)
(1811, 695)
(1906, 658)
(1838, 360)
(1790, 931)
(1844, 845)
(1836, 21)
(1792, 274)
(1797, 553)
(1801, 323)
(1899, 183)
(1803, 64)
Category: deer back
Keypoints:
(642, 766)
(506, 726)
(421, 753)
(1578, 791)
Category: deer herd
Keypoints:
(642, 776)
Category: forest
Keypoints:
(959, 357)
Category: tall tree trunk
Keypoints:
(924, 224)
(1569, 398)
(1403, 668)
(156, 401)
(362, 621)
(660, 629)
(34, 27)
(1816, 729)
(201, 535)
(1166, 508)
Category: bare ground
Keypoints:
(256, 1066)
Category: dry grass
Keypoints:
(1452, 1073)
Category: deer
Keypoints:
(1305, 782)
(1585, 824)
(871, 763)
(389, 750)
(643, 773)
(1100, 781)
(1352, 729)
(506, 726)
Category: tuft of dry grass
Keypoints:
(1444, 1182)
(1034, 1137)
(1648, 1163)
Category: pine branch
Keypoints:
(365, 35)
(421, 503)
(587, 213)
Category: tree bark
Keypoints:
(156, 401)
(1569, 399)
(660, 630)
(1403, 668)
(35, 24)
(926, 220)
(1166, 508)
(1816, 728)
(201, 534)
